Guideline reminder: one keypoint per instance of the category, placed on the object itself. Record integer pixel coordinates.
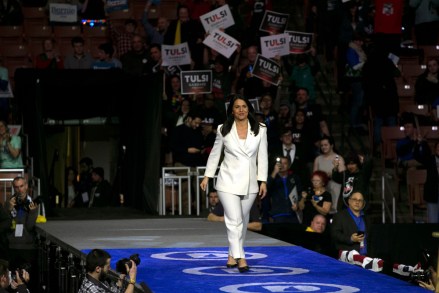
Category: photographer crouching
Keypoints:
(97, 279)
(23, 212)
(12, 281)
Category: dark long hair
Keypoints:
(227, 126)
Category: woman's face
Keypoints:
(325, 146)
(240, 110)
(316, 181)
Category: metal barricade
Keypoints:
(174, 181)
(200, 175)
(171, 185)
(6, 178)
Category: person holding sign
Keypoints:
(243, 172)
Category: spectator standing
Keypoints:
(101, 192)
(136, 62)
(426, 21)
(354, 177)
(305, 139)
(10, 153)
(355, 57)
(70, 187)
(314, 115)
(427, 85)
(316, 200)
(122, 37)
(247, 84)
(325, 162)
(154, 35)
(22, 245)
(85, 182)
(380, 92)
(283, 190)
(184, 29)
(105, 58)
(79, 59)
(302, 76)
(413, 149)
(50, 58)
(270, 119)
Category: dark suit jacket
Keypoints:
(342, 228)
(298, 167)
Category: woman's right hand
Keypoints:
(203, 184)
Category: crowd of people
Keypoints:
(281, 151)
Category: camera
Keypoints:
(23, 267)
(120, 265)
(423, 276)
(26, 202)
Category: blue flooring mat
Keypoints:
(273, 269)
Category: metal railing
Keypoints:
(172, 184)
(6, 178)
(385, 186)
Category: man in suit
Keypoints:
(350, 231)
(288, 149)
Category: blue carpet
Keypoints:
(273, 269)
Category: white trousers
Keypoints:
(236, 217)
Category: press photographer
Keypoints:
(22, 245)
(98, 274)
(12, 280)
(426, 278)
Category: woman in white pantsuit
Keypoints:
(245, 162)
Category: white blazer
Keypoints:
(243, 165)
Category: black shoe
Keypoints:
(242, 269)
(231, 266)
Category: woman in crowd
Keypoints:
(324, 162)
(317, 200)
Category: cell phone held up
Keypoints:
(360, 233)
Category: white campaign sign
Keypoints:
(60, 12)
(221, 42)
(176, 54)
(276, 45)
(220, 18)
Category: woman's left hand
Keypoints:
(263, 190)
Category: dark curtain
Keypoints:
(81, 94)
